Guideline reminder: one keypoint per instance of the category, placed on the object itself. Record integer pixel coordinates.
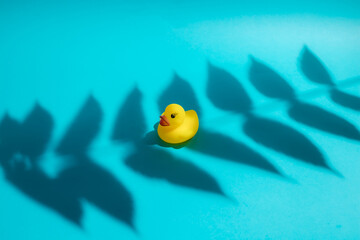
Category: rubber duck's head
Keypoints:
(173, 116)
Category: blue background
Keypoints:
(64, 54)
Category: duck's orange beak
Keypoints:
(164, 121)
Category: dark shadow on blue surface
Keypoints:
(180, 92)
(321, 119)
(269, 82)
(345, 99)
(220, 146)
(305, 113)
(129, 124)
(284, 139)
(313, 68)
(82, 130)
(271, 133)
(87, 179)
(21, 146)
(225, 91)
(33, 141)
(157, 163)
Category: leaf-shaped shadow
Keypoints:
(130, 122)
(268, 82)
(34, 141)
(92, 182)
(313, 68)
(82, 130)
(85, 178)
(345, 99)
(156, 163)
(316, 72)
(225, 91)
(39, 187)
(17, 138)
(10, 130)
(302, 112)
(284, 139)
(321, 119)
(179, 91)
(219, 145)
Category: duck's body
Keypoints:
(177, 125)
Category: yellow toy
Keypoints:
(176, 125)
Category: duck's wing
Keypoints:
(191, 120)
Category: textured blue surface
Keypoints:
(276, 86)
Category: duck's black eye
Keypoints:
(173, 115)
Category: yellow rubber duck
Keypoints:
(176, 125)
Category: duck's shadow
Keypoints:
(152, 138)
